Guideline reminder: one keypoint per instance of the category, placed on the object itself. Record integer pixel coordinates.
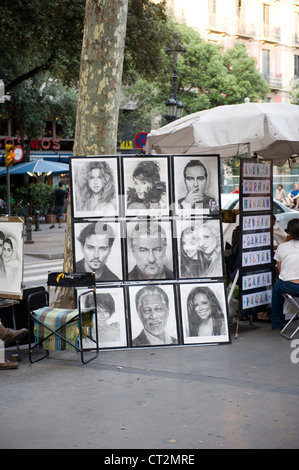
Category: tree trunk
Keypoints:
(100, 77)
(99, 97)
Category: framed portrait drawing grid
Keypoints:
(11, 257)
(111, 316)
(98, 247)
(95, 186)
(204, 312)
(146, 186)
(200, 248)
(196, 182)
(135, 238)
(153, 315)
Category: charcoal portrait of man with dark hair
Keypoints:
(96, 241)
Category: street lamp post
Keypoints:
(174, 105)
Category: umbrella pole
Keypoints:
(8, 189)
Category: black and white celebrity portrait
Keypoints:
(153, 307)
(204, 312)
(98, 245)
(11, 258)
(200, 249)
(208, 234)
(196, 185)
(111, 316)
(149, 250)
(94, 187)
(146, 186)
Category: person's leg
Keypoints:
(8, 365)
(279, 288)
(54, 219)
(59, 217)
(277, 306)
(8, 335)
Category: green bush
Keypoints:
(20, 202)
(41, 198)
(25, 201)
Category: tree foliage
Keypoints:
(207, 77)
(45, 41)
(38, 36)
(295, 92)
(244, 79)
(148, 33)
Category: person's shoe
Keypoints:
(52, 226)
(278, 328)
(8, 365)
(8, 335)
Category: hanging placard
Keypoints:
(256, 237)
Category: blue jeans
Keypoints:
(279, 288)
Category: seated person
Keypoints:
(294, 196)
(287, 262)
(280, 195)
(279, 235)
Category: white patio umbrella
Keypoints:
(269, 129)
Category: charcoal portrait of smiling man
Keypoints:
(153, 309)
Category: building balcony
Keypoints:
(296, 39)
(218, 24)
(245, 30)
(271, 34)
(274, 80)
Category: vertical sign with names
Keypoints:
(256, 237)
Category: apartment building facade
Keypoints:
(269, 28)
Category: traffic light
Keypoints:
(9, 154)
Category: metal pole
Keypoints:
(175, 82)
(8, 189)
(174, 51)
(37, 221)
(28, 223)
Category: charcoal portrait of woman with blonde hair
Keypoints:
(94, 188)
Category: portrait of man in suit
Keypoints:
(152, 305)
(148, 244)
(197, 195)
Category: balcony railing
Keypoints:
(244, 29)
(272, 34)
(274, 80)
(296, 39)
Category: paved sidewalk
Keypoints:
(242, 395)
(47, 243)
